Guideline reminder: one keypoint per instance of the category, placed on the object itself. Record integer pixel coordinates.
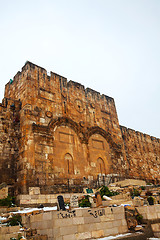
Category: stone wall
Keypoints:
(59, 136)
(9, 140)
(45, 199)
(8, 232)
(79, 223)
(142, 154)
(150, 212)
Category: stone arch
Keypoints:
(65, 121)
(101, 166)
(103, 133)
(99, 154)
(69, 162)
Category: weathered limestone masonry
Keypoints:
(78, 223)
(57, 135)
(9, 140)
(143, 155)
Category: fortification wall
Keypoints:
(69, 135)
(9, 140)
(66, 136)
(142, 154)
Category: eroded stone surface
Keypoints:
(59, 136)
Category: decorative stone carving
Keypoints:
(81, 123)
(78, 105)
(49, 114)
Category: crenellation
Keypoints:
(64, 132)
(75, 85)
(108, 99)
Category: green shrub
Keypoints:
(105, 191)
(84, 202)
(150, 199)
(139, 218)
(143, 187)
(135, 193)
(15, 220)
(8, 201)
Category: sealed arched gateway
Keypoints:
(61, 136)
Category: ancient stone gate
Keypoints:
(57, 135)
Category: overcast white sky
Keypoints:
(111, 46)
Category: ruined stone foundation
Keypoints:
(60, 136)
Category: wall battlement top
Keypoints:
(64, 83)
(125, 129)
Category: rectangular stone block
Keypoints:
(151, 216)
(107, 218)
(68, 230)
(55, 215)
(34, 197)
(36, 218)
(49, 233)
(63, 222)
(155, 227)
(104, 225)
(108, 210)
(78, 220)
(111, 231)
(25, 197)
(48, 196)
(47, 216)
(97, 234)
(69, 237)
(42, 196)
(83, 235)
(79, 212)
(87, 227)
(47, 224)
(8, 236)
(157, 208)
(67, 195)
(13, 229)
(119, 216)
(117, 223)
(41, 201)
(58, 238)
(34, 190)
(91, 220)
(117, 210)
(123, 229)
(85, 212)
(142, 209)
(22, 202)
(38, 225)
(53, 200)
(33, 201)
(4, 230)
(56, 232)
